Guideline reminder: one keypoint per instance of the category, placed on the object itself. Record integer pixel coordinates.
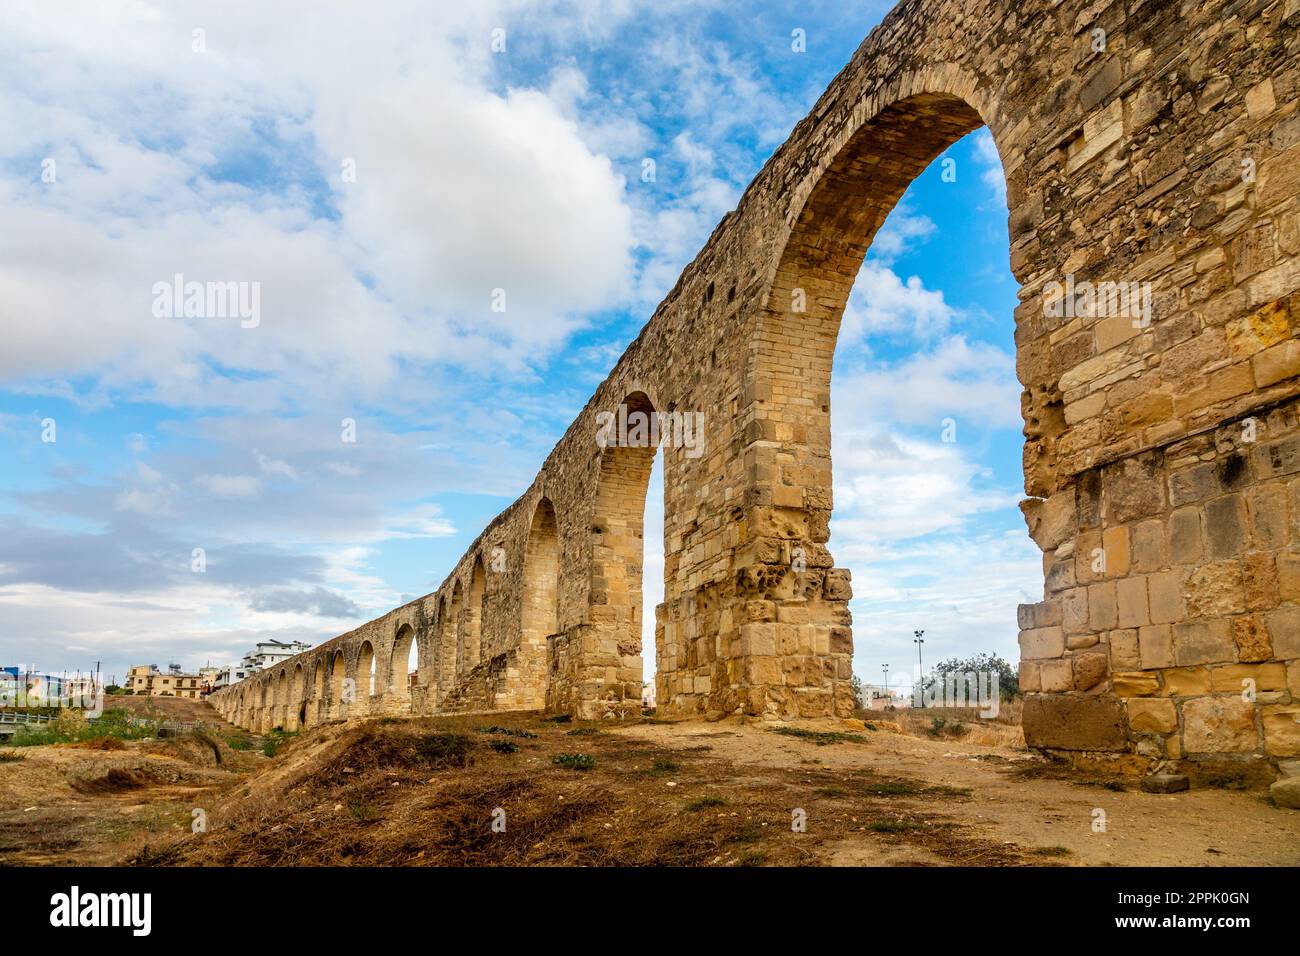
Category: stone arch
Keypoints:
(297, 700)
(399, 670)
(318, 691)
(629, 442)
(540, 602)
(338, 674)
(367, 677)
(283, 704)
(455, 611)
(447, 614)
(469, 641)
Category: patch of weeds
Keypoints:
(508, 732)
(575, 761)
(705, 803)
(1051, 851)
(582, 732)
(273, 741)
(664, 765)
(363, 812)
(832, 792)
(819, 737)
(892, 826)
(751, 858)
(73, 727)
(504, 747)
(239, 742)
(9, 756)
(560, 719)
(1116, 785)
(444, 749)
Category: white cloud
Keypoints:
(992, 176)
(973, 383)
(460, 190)
(882, 303)
(230, 486)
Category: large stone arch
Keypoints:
(297, 716)
(539, 612)
(283, 702)
(446, 630)
(338, 676)
(399, 674)
(469, 630)
(628, 443)
(367, 677)
(1171, 448)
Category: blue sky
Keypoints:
(211, 140)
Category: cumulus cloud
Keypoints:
(229, 165)
(318, 601)
(882, 303)
(970, 382)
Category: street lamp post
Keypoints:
(885, 668)
(918, 640)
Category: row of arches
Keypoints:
(418, 658)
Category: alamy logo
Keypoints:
(972, 689)
(179, 299)
(636, 429)
(74, 909)
(1103, 299)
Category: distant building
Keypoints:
(146, 680)
(877, 697)
(266, 654)
(648, 694)
(23, 686)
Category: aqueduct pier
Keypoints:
(1149, 142)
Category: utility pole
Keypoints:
(918, 640)
(885, 668)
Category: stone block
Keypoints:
(1151, 715)
(1155, 646)
(1090, 669)
(1164, 783)
(1135, 684)
(1123, 646)
(1074, 723)
(1056, 675)
(1219, 725)
(1131, 600)
(1281, 729)
(1203, 642)
(1185, 681)
(1103, 606)
(1042, 642)
(1284, 631)
(1186, 536)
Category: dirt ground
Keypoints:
(518, 789)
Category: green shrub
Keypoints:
(575, 761)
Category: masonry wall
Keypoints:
(1152, 143)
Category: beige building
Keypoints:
(145, 680)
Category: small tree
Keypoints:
(858, 700)
(1008, 674)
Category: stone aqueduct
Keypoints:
(1161, 459)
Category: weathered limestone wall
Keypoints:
(1153, 143)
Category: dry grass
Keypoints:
(427, 792)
